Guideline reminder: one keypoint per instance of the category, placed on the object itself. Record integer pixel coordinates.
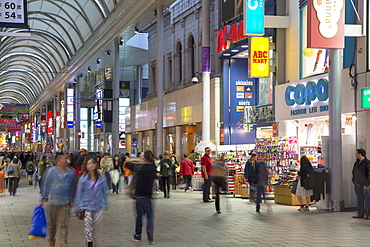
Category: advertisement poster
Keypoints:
(313, 61)
(239, 114)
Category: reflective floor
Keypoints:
(184, 220)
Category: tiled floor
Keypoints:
(184, 220)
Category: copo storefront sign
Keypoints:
(229, 34)
(305, 94)
(303, 99)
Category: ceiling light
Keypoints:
(227, 54)
(98, 61)
(108, 53)
(234, 50)
(244, 46)
(89, 69)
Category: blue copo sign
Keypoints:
(305, 94)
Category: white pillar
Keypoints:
(178, 143)
(206, 72)
(159, 79)
(335, 129)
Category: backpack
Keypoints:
(309, 181)
(30, 168)
(10, 170)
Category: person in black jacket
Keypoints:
(143, 194)
(361, 181)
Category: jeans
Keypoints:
(362, 198)
(166, 185)
(260, 193)
(187, 179)
(109, 181)
(219, 184)
(144, 206)
(207, 188)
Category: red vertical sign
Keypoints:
(50, 123)
(325, 24)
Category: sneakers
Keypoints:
(303, 209)
(136, 238)
(149, 234)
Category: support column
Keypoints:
(335, 129)
(140, 147)
(159, 79)
(115, 124)
(77, 113)
(178, 143)
(164, 140)
(128, 143)
(206, 72)
(151, 139)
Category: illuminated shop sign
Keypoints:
(325, 24)
(254, 17)
(301, 94)
(259, 61)
(365, 98)
(70, 107)
(50, 123)
(62, 113)
(228, 35)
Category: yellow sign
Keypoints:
(259, 59)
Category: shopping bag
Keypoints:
(39, 224)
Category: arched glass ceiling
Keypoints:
(59, 28)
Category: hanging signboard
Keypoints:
(365, 98)
(13, 13)
(259, 61)
(254, 17)
(325, 25)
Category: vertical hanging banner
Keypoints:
(50, 123)
(325, 24)
(254, 17)
(258, 58)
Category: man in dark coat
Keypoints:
(361, 181)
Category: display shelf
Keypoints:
(282, 195)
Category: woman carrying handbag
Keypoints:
(91, 198)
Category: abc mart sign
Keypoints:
(309, 98)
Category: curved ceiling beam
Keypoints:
(16, 54)
(48, 46)
(46, 54)
(33, 68)
(45, 35)
(103, 8)
(20, 89)
(16, 92)
(25, 75)
(22, 84)
(49, 17)
(9, 97)
(79, 10)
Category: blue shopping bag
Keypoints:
(39, 225)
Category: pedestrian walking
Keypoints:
(91, 198)
(176, 171)
(250, 176)
(219, 175)
(206, 165)
(42, 168)
(361, 181)
(105, 165)
(143, 195)
(14, 174)
(262, 181)
(58, 187)
(166, 170)
(115, 172)
(30, 168)
(186, 172)
(305, 171)
(4, 167)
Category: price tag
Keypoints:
(13, 13)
